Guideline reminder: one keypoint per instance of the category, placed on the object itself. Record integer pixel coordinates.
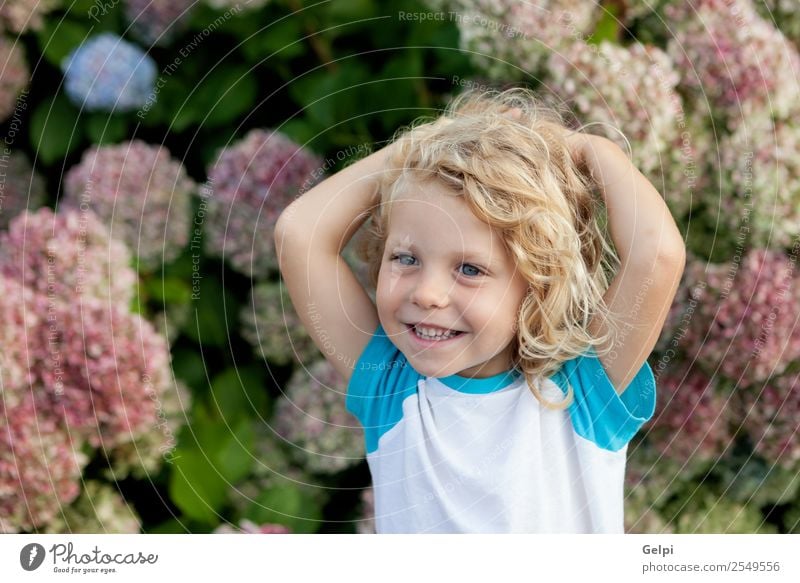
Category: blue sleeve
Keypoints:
(598, 413)
(381, 381)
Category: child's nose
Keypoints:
(432, 290)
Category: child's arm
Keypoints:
(309, 237)
(650, 248)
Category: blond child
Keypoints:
(499, 376)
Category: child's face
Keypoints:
(444, 267)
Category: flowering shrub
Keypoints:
(629, 88)
(742, 320)
(15, 77)
(253, 181)
(760, 190)
(323, 436)
(19, 16)
(141, 193)
(157, 22)
(770, 413)
(734, 58)
(271, 325)
(99, 509)
(65, 256)
(691, 422)
(511, 40)
(40, 465)
(107, 73)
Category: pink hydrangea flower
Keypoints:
(511, 40)
(312, 418)
(15, 77)
(19, 16)
(741, 319)
(140, 193)
(271, 325)
(692, 419)
(158, 21)
(67, 255)
(100, 370)
(253, 181)
(760, 190)
(771, 416)
(630, 88)
(737, 60)
(40, 464)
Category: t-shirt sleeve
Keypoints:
(381, 380)
(598, 413)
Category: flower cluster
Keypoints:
(760, 192)
(271, 325)
(23, 188)
(743, 314)
(142, 456)
(650, 479)
(312, 418)
(157, 22)
(19, 16)
(107, 73)
(40, 466)
(705, 512)
(65, 256)
(771, 415)
(78, 369)
(622, 90)
(100, 370)
(99, 509)
(751, 479)
(511, 40)
(691, 424)
(142, 194)
(15, 77)
(784, 14)
(253, 182)
(741, 63)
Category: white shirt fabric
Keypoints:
(461, 455)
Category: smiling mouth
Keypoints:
(443, 335)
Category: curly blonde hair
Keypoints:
(505, 152)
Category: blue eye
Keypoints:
(402, 256)
(468, 266)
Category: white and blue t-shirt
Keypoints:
(481, 455)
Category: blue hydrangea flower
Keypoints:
(107, 73)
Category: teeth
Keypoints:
(432, 333)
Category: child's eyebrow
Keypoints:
(467, 255)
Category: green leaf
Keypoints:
(234, 458)
(286, 505)
(284, 38)
(102, 128)
(211, 302)
(188, 366)
(169, 290)
(55, 129)
(608, 27)
(220, 98)
(239, 393)
(196, 486)
(57, 38)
